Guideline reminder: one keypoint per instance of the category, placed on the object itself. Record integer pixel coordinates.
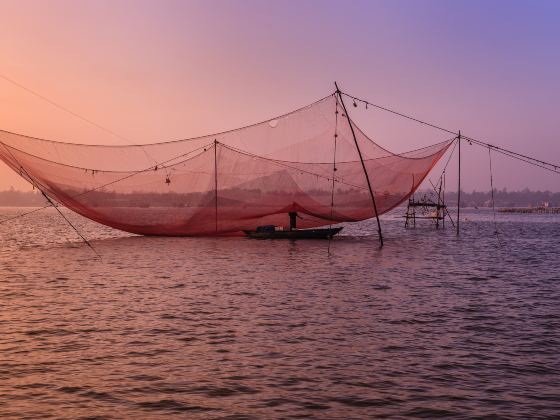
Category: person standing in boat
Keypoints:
(293, 216)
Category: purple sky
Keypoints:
(159, 70)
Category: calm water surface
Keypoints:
(431, 325)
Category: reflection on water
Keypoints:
(429, 325)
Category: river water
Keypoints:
(430, 325)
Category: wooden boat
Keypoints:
(260, 233)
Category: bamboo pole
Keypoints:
(459, 184)
(216, 181)
(363, 164)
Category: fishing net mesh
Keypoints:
(305, 161)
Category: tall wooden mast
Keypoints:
(216, 182)
(339, 93)
(459, 183)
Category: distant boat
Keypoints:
(263, 233)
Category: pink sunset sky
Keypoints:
(161, 70)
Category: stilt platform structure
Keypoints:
(428, 210)
(431, 209)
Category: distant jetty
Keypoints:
(536, 210)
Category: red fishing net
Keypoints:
(305, 161)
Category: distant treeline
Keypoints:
(502, 198)
(14, 198)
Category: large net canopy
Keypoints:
(306, 161)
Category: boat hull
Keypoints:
(294, 234)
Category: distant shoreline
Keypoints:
(502, 198)
(15, 198)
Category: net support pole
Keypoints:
(339, 93)
(216, 183)
(25, 175)
(459, 183)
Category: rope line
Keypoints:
(23, 214)
(544, 165)
(61, 107)
(303, 171)
(492, 197)
(127, 140)
(81, 117)
(71, 225)
(41, 188)
(400, 114)
(527, 159)
(100, 186)
(334, 170)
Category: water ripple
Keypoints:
(430, 326)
